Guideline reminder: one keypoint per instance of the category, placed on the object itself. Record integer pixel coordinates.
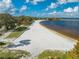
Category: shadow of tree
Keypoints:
(21, 43)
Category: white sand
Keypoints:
(42, 39)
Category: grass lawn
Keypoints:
(17, 32)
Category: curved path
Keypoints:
(41, 39)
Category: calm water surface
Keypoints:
(67, 25)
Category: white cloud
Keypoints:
(75, 9)
(62, 1)
(51, 13)
(7, 1)
(27, 1)
(47, 9)
(5, 5)
(35, 2)
(13, 11)
(68, 10)
(72, 0)
(23, 8)
(65, 1)
(51, 6)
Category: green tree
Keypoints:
(7, 21)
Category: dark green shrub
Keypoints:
(20, 29)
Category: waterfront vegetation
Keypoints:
(5, 53)
(3, 44)
(13, 54)
(49, 54)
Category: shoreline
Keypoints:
(61, 30)
(63, 35)
(42, 39)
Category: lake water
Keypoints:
(70, 26)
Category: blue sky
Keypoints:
(40, 8)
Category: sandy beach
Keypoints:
(40, 39)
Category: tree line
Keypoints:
(8, 22)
